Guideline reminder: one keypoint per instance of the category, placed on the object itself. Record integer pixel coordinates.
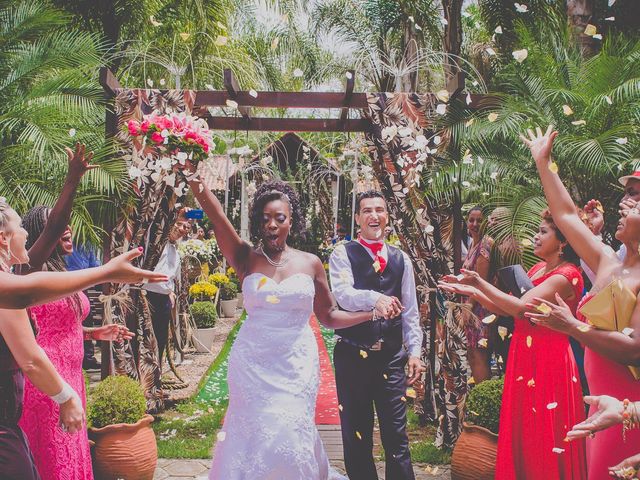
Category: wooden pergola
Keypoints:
(248, 100)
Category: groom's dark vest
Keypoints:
(388, 282)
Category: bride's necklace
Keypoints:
(281, 263)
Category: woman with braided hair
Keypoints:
(269, 429)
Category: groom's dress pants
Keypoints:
(378, 380)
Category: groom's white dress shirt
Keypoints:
(354, 300)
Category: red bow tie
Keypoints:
(375, 249)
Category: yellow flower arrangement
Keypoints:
(230, 272)
(218, 278)
(203, 289)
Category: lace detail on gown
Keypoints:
(58, 455)
(269, 430)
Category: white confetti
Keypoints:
(498, 29)
(232, 103)
(468, 99)
(622, 141)
(444, 21)
(557, 450)
(610, 19)
(221, 436)
(72, 132)
(520, 55)
(608, 99)
(521, 8)
(490, 51)
(611, 2)
(627, 331)
(597, 36)
(552, 405)
(253, 93)
(441, 109)
(298, 73)
(150, 82)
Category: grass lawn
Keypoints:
(189, 431)
(421, 443)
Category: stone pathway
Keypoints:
(172, 469)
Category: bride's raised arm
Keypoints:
(563, 210)
(234, 249)
(325, 306)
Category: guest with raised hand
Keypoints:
(57, 454)
(612, 306)
(478, 260)
(19, 352)
(273, 366)
(542, 395)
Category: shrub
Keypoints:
(204, 314)
(117, 399)
(228, 291)
(483, 404)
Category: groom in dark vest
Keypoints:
(370, 358)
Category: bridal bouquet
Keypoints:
(162, 142)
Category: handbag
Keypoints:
(610, 309)
(515, 280)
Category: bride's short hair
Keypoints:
(268, 192)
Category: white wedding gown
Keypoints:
(269, 431)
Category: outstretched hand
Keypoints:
(78, 163)
(458, 288)
(540, 144)
(466, 277)
(609, 413)
(554, 316)
(120, 270)
(628, 468)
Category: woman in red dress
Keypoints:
(608, 353)
(542, 396)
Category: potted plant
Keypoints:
(228, 300)
(474, 456)
(204, 315)
(125, 445)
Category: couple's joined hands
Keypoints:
(388, 307)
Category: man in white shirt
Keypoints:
(162, 296)
(370, 358)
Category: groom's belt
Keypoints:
(373, 348)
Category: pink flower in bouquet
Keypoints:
(144, 126)
(156, 137)
(134, 127)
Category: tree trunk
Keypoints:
(452, 39)
(579, 14)
(409, 82)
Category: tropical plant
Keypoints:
(204, 314)
(594, 103)
(49, 99)
(483, 404)
(116, 399)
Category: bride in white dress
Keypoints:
(269, 431)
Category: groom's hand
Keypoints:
(388, 307)
(415, 370)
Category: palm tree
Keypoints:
(593, 102)
(386, 37)
(50, 98)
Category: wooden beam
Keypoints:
(289, 124)
(455, 85)
(211, 98)
(233, 88)
(348, 93)
(109, 81)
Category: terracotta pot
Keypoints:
(474, 456)
(203, 339)
(228, 307)
(125, 451)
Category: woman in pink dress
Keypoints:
(608, 354)
(59, 455)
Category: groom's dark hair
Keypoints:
(368, 194)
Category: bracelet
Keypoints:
(64, 395)
(374, 315)
(629, 419)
